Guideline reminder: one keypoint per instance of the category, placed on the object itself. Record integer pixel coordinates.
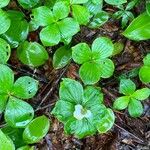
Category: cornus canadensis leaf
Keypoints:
(115, 2)
(133, 98)
(27, 4)
(32, 54)
(30, 134)
(4, 3)
(82, 111)
(95, 62)
(4, 51)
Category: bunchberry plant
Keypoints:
(132, 99)
(32, 54)
(144, 73)
(82, 110)
(5, 51)
(28, 4)
(28, 135)
(148, 7)
(57, 25)
(94, 62)
(4, 3)
(115, 2)
(17, 113)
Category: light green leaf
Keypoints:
(102, 48)
(27, 147)
(78, 2)
(80, 128)
(4, 22)
(115, 2)
(106, 122)
(90, 72)
(5, 142)
(146, 60)
(135, 108)
(4, 51)
(121, 102)
(50, 35)
(61, 10)
(139, 29)
(68, 27)
(3, 102)
(6, 79)
(42, 15)
(141, 94)
(18, 113)
(144, 74)
(81, 53)
(81, 14)
(71, 91)
(4, 3)
(127, 87)
(40, 124)
(99, 19)
(27, 4)
(107, 68)
(63, 110)
(32, 54)
(61, 57)
(25, 87)
(16, 35)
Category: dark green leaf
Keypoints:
(118, 48)
(148, 7)
(3, 102)
(27, 4)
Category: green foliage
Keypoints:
(61, 57)
(18, 30)
(26, 148)
(132, 98)
(148, 7)
(139, 29)
(27, 4)
(4, 3)
(82, 110)
(94, 62)
(32, 54)
(59, 27)
(17, 112)
(115, 2)
(144, 73)
(5, 51)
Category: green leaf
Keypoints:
(127, 87)
(141, 94)
(4, 22)
(146, 60)
(4, 3)
(5, 142)
(102, 48)
(6, 79)
(25, 87)
(115, 2)
(121, 102)
(81, 53)
(32, 54)
(81, 14)
(99, 19)
(50, 35)
(18, 113)
(148, 8)
(68, 27)
(139, 29)
(78, 2)
(27, 147)
(107, 68)
(16, 35)
(42, 15)
(61, 10)
(71, 91)
(135, 108)
(3, 102)
(40, 124)
(27, 4)
(90, 72)
(61, 57)
(5, 51)
(118, 48)
(80, 128)
(144, 74)
(63, 110)
(106, 122)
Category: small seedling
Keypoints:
(94, 62)
(82, 111)
(132, 98)
(144, 73)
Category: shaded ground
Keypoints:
(127, 133)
